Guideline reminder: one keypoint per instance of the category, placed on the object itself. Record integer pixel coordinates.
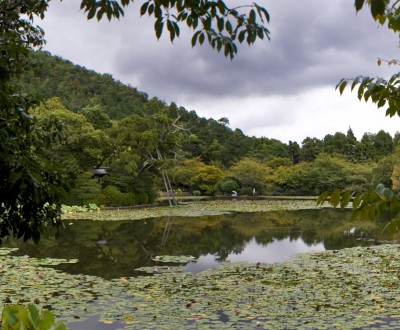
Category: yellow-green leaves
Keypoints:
(380, 203)
(30, 317)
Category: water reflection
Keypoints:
(275, 251)
(115, 249)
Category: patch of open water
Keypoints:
(114, 249)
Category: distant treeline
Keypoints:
(106, 123)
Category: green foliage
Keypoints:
(75, 208)
(30, 317)
(142, 198)
(380, 203)
(223, 27)
(114, 197)
(246, 191)
(79, 89)
(29, 184)
(82, 146)
(382, 92)
(194, 174)
(97, 117)
(196, 193)
(85, 190)
(325, 173)
(251, 174)
(229, 185)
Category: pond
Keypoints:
(108, 287)
(115, 249)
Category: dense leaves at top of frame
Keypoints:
(212, 20)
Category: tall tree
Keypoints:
(28, 184)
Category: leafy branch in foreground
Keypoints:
(211, 20)
(380, 203)
(382, 92)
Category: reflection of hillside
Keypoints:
(115, 248)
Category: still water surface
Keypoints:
(112, 249)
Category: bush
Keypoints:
(114, 197)
(85, 191)
(248, 191)
(196, 193)
(229, 186)
(152, 196)
(142, 198)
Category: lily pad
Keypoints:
(173, 259)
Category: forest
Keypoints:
(95, 122)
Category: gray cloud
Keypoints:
(314, 44)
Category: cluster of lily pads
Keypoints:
(194, 209)
(77, 208)
(349, 288)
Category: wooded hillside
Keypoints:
(106, 123)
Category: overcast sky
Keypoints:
(282, 89)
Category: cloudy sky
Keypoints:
(283, 89)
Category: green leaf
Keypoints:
(220, 23)
(322, 198)
(252, 16)
(345, 199)
(34, 314)
(201, 38)
(342, 86)
(47, 319)
(143, 8)
(159, 26)
(228, 27)
(378, 8)
(194, 38)
(59, 326)
(171, 30)
(242, 36)
(359, 4)
(335, 198)
(91, 13)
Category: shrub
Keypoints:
(196, 193)
(246, 191)
(142, 198)
(229, 186)
(114, 197)
(152, 196)
(85, 191)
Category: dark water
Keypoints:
(116, 248)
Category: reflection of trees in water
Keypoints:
(114, 249)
